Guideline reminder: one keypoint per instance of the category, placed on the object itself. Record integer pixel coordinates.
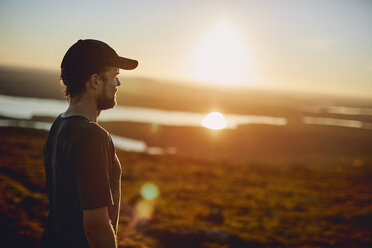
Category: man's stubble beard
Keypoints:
(104, 102)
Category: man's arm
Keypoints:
(98, 229)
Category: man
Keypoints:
(82, 170)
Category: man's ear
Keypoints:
(93, 81)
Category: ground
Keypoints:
(318, 202)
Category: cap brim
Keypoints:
(126, 64)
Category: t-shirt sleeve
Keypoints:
(92, 164)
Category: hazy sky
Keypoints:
(323, 46)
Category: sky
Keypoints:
(318, 46)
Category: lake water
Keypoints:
(26, 108)
(341, 110)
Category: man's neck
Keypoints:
(83, 107)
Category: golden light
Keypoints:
(220, 58)
(214, 120)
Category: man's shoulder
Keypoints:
(95, 130)
(80, 127)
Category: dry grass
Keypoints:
(205, 204)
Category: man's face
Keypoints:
(107, 96)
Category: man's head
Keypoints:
(91, 57)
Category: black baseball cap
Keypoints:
(91, 56)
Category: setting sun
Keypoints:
(214, 120)
(220, 57)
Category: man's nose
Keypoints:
(118, 82)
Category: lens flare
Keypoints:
(144, 210)
(149, 191)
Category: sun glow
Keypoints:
(214, 120)
(221, 57)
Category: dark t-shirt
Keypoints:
(82, 172)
